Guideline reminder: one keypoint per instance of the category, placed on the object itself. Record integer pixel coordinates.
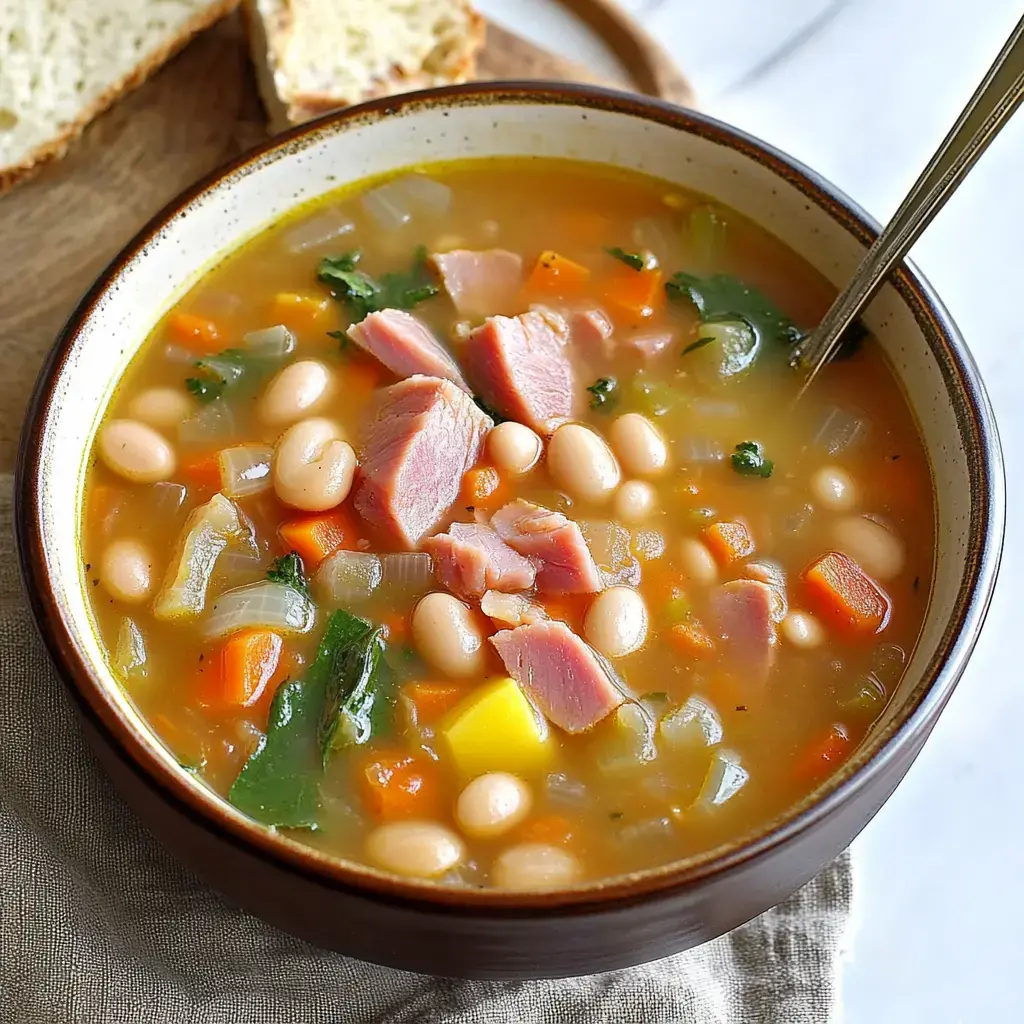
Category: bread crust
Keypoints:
(57, 146)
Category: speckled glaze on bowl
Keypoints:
(419, 926)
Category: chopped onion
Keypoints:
(263, 605)
(707, 235)
(734, 348)
(425, 192)
(236, 562)
(392, 205)
(167, 500)
(207, 533)
(715, 408)
(130, 652)
(725, 778)
(609, 546)
(698, 450)
(319, 230)
(566, 792)
(693, 725)
(270, 343)
(245, 470)
(408, 572)
(650, 830)
(632, 742)
(840, 429)
(348, 576)
(656, 236)
(212, 421)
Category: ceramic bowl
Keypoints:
(419, 926)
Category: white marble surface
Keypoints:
(863, 91)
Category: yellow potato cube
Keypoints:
(496, 728)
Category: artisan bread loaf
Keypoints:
(312, 56)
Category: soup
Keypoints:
(465, 524)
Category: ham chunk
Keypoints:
(480, 282)
(472, 558)
(555, 544)
(425, 433)
(743, 613)
(592, 331)
(520, 367)
(650, 343)
(406, 346)
(560, 673)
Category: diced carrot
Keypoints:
(557, 274)
(316, 537)
(395, 785)
(203, 475)
(840, 591)
(825, 754)
(359, 379)
(482, 487)
(691, 638)
(431, 700)
(194, 332)
(637, 294)
(729, 542)
(397, 624)
(248, 662)
(567, 608)
(552, 829)
(300, 312)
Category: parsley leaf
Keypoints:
(363, 295)
(224, 370)
(636, 260)
(694, 345)
(342, 338)
(205, 389)
(289, 570)
(604, 393)
(749, 460)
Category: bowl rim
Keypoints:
(974, 418)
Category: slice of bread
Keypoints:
(312, 56)
(62, 62)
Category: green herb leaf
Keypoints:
(749, 460)
(724, 297)
(694, 345)
(636, 260)
(363, 295)
(205, 389)
(280, 783)
(342, 338)
(615, 815)
(289, 570)
(603, 394)
(227, 369)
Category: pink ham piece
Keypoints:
(405, 346)
(592, 332)
(471, 559)
(650, 343)
(555, 544)
(560, 673)
(480, 282)
(424, 434)
(743, 618)
(519, 366)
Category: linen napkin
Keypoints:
(98, 925)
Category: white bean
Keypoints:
(126, 569)
(534, 866)
(449, 636)
(514, 447)
(135, 451)
(312, 467)
(582, 464)
(878, 551)
(634, 501)
(492, 804)
(162, 407)
(295, 392)
(833, 488)
(616, 622)
(696, 561)
(639, 445)
(801, 629)
(416, 849)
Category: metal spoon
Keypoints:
(991, 106)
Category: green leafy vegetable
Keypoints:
(749, 460)
(636, 260)
(289, 570)
(363, 295)
(724, 297)
(226, 370)
(205, 389)
(342, 338)
(280, 783)
(604, 393)
(699, 343)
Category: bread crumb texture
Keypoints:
(64, 61)
(330, 53)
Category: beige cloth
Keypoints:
(98, 925)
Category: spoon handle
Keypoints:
(991, 106)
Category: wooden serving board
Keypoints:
(61, 228)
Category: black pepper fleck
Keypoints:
(917, 582)
(741, 707)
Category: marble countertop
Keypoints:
(863, 91)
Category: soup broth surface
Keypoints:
(762, 567)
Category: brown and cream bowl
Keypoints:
(423, 926)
